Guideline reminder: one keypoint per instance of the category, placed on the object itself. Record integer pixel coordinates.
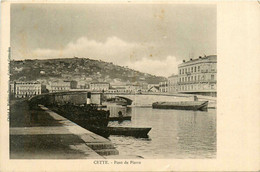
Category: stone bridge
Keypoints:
(148, 99)
(79, 97)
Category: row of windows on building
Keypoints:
(196, 78)
(197, 87)
(60, 88)
(190, 69)
(172, 89)
(194, 70)
(119, 91)
(28, 92)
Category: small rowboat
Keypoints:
(125, 131)
(129, 131)
(184, 105)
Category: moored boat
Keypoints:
(183, 105)
(129, 131)
(87, 116)
(118, 118)
(125, 131)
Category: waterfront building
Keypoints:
(82, 85)
(163, 87)
(26, 89)
(121, 89)
(144, 86)
(99, 86)
(173, 84)
(152, 85)
(58, 86)
(198, 76)
(118, 89)
(133, 88)
(154, 89)
(112, 90)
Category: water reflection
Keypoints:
(174, 134)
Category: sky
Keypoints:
(151, 38)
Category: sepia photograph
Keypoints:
(113, 81)
(130, 86)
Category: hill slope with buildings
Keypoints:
(78, 69)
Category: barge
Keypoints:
(183, 105)
(87, 116)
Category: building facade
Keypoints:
(152, 85)
(198, 76)
(26, 89)
(173, 84)
(99, 86)
(118, 89)
(163, 87)
(59, 86)
(154, 89)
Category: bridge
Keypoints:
(144, 99)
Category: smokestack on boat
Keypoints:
(88, 98)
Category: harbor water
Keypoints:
(176, 134)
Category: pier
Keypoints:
(44, 134)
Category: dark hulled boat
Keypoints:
(183, 105)
(129, 131)
(87, 116)
(139, 132)
(120, 118)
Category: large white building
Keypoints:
(99, 86)
(163, 87)
(26, 89)
(129, 88)
(173, 84)
(198, 76)
(59, 86)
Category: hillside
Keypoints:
(77, 69)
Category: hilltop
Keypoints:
(80, 69)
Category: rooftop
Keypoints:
(29, 82)
(99, 83)
(205, 58)
(156, 87)
(172, 76)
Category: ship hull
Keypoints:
(185, 105)
(86, 118)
